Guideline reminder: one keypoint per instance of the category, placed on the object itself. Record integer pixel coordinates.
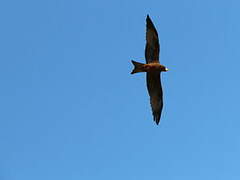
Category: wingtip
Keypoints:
(156, 118)
(149, 22)
(148, 17)
(157, 121)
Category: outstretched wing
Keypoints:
(152, 45)
(156, 95)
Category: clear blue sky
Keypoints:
(71, 110)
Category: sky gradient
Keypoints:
(71, 110)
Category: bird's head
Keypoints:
(163, 68)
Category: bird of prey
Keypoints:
(153, 68)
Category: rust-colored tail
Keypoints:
(138, 67)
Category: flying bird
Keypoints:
(153, 68)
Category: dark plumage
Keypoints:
(153, 69)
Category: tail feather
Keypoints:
(138, 67)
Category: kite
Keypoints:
(153, 68)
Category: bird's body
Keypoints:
(153, 69)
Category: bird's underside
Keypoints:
(153, 70)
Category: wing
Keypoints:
(156, 95)
(152, 45)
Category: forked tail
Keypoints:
(138, 67)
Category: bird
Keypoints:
(153, 70)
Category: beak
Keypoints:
(166, 69)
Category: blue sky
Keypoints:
(71, 110)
